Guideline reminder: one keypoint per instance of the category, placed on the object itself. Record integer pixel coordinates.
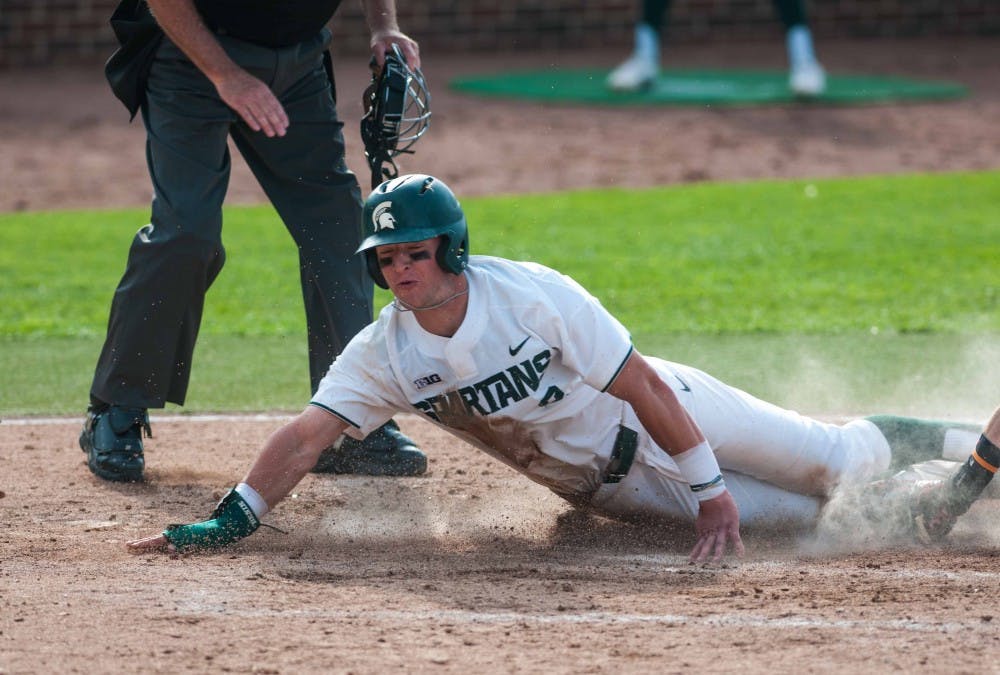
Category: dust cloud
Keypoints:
(512, 507)
(962, 388)
(877, 516)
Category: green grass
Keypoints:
(935, 375)
(745, 280)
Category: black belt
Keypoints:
(621, 455)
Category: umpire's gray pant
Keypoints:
(157, 307)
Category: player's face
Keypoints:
(412, 272)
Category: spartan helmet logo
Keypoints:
(382, 219)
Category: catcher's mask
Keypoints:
(413, 208)
(397, 113)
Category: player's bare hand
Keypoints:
(717, 526)
(254, 102)
(156, 542)
(382, 42)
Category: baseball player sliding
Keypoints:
(523, 363)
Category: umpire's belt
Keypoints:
(621, 455)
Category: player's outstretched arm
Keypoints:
(666, 420)
(288, 455)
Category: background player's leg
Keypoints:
(806, 76)
(641, 68)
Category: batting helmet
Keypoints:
(413, 208)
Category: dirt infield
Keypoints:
(472, 568)
(468, 569)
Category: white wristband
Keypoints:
(700, 469)
(253, 500)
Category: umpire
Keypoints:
(202, 71)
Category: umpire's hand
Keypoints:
(382, 41)
(253, 101)
(717, 525)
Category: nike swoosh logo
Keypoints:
(514, 350)
(684, 385)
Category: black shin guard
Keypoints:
(975, 474)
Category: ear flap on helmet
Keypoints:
(374, 271)
(452, 254)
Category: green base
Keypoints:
(701, 87)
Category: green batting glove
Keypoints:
(232, 520)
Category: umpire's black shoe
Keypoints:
(112, 439)
(384, 452)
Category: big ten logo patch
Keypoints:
(422, 382)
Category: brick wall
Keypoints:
(42, 32)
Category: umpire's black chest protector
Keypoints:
(271, 23)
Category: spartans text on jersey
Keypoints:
(495, 392)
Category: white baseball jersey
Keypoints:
(524, 379)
